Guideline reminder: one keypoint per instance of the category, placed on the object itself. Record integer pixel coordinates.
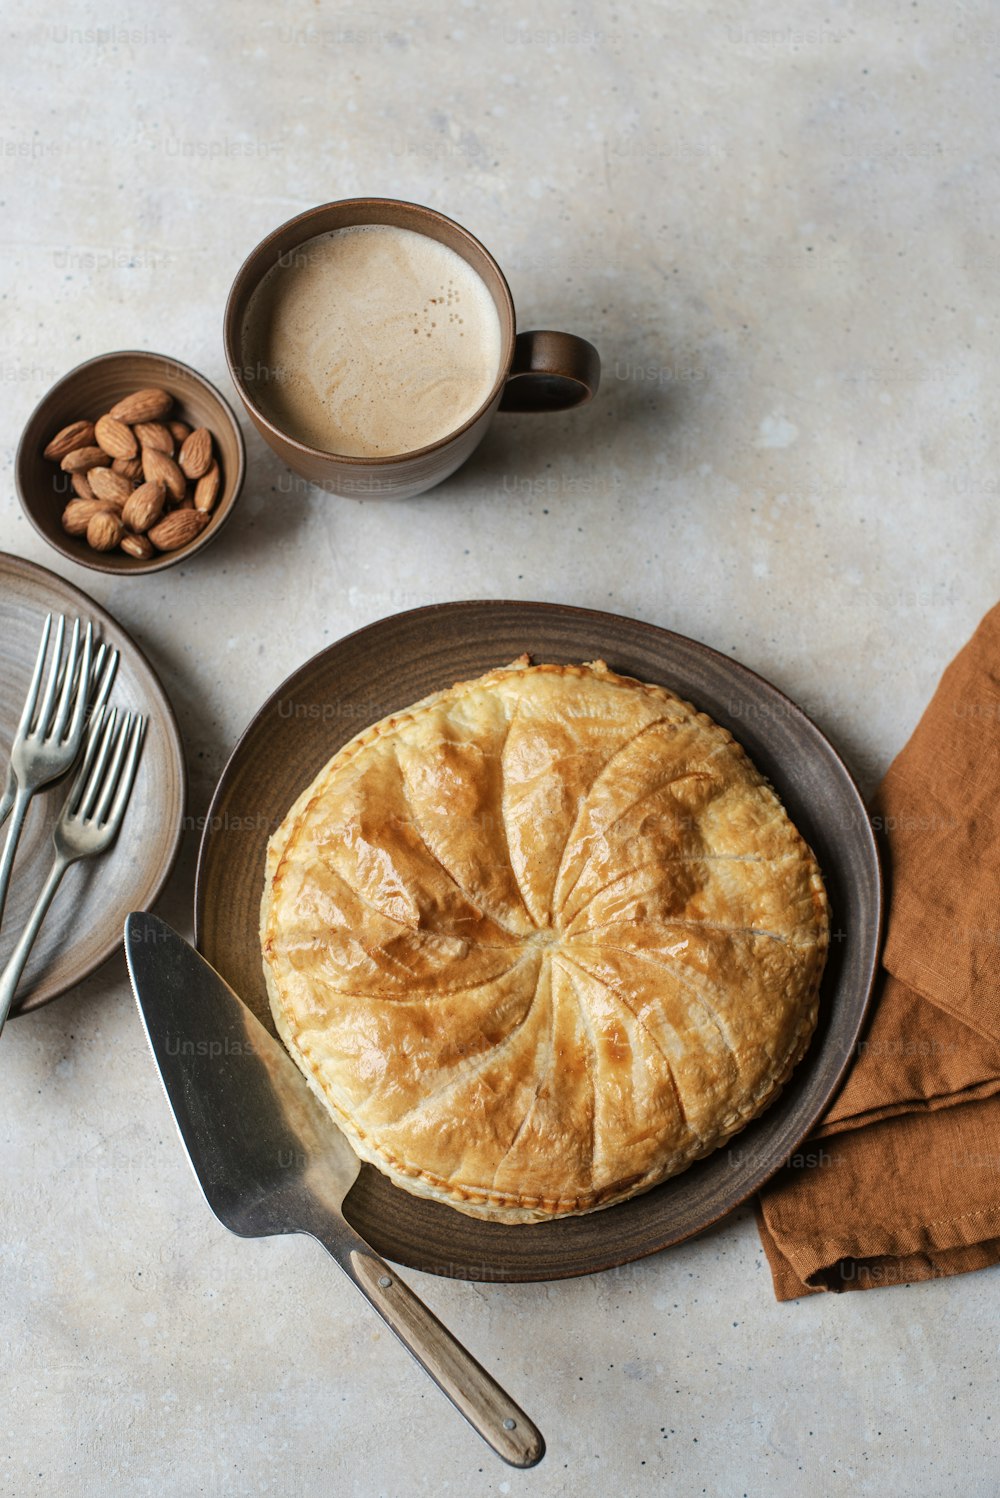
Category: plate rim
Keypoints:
(40, 575)
(765, 1173)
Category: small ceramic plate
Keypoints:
(395, 662)
(84, 925)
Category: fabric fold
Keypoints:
(904, 1183)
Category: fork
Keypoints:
(88, 823)
(47, 742)
(102, 674)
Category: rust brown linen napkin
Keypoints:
(902, 1181)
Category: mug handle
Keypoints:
(551, 372)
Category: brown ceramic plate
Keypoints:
(395, 662)
(84, 925)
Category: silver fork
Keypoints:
(48, 741)
(102, 675)
(88, 823)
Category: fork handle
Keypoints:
(11, 975)
(21, 799)
(7, 799)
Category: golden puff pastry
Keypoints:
(542, 940)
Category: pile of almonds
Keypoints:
(143, 483)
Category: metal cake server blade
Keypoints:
(269, 1158)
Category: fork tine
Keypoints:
(94, 729)
(72, 678)
(103, 675)
(29, 702)
(82, 699)
(45, 711)
(110, 778)
(61, 678)
(128, 775)
(98, 655)
(88, 782)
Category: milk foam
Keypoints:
(371, 341)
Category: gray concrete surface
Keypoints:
(778, 225)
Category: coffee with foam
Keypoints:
(371, 341)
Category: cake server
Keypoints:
(270, 1159)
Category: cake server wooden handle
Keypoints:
(474, 1393)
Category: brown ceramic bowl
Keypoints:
(86, 393)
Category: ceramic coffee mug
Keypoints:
(538, 371)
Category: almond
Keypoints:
(207, 489)
(104, 531)
(81, 488)
(110, 486)
(180, 431)
(137, 546)
(115, 438)
(83, 458)
(79, 513)
(195, 456)
(177, 529)
(77, 434)
(160, 468)
(130, 468)
(142, 405)
(155, 434)
(144, 506)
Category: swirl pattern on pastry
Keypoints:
(542, 940)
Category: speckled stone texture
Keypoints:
(777, 224)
